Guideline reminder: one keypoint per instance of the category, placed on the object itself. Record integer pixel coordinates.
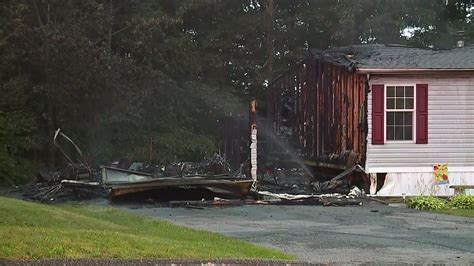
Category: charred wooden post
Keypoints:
(253, 139)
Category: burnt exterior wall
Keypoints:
(321, 107)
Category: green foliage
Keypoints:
(462, 202)
(183, 145)
(426, 203)
(17, 128)
(433, 203)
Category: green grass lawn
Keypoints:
(458, 212)
(31, 230)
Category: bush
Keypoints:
(462, 202)
(426, 203)
(184, 145)
(18, 129)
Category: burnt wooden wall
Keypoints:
(328, 108)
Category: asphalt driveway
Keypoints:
(372, 233)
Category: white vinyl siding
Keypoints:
(450, 129)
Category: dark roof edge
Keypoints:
(410, 70)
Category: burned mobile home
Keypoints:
(399, 112)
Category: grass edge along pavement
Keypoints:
(30, 230)
(456, 212)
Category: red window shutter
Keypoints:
(421, 113)
(378, 114)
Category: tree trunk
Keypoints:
(109, 36)
(50, 133)
(269, 38)
(292, 45)
(51, 116)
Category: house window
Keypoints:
(400, 110)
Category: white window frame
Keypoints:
(413, 117)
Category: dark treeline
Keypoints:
(115, 74)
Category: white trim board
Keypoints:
(413, 111)
(427, 169)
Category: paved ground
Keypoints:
(373, 233)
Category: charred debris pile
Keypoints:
(297, 185)
(210, 182)
(76, 181)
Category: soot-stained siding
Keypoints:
(320, 106)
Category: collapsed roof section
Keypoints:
(372, 58)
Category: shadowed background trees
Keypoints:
(116, 75)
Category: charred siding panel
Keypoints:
(326, 102)
(450, 129)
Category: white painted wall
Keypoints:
(450, 139)
(417, 183)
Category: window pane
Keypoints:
(390, 132)
(390, 118)
(399, 125)
(399, 93)
(399, 103)
(408, 133)
(398, 118)
(409, 103)
(409, 91)
(390, 103)
(399, 132)
(391, 91)
(408, 120)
